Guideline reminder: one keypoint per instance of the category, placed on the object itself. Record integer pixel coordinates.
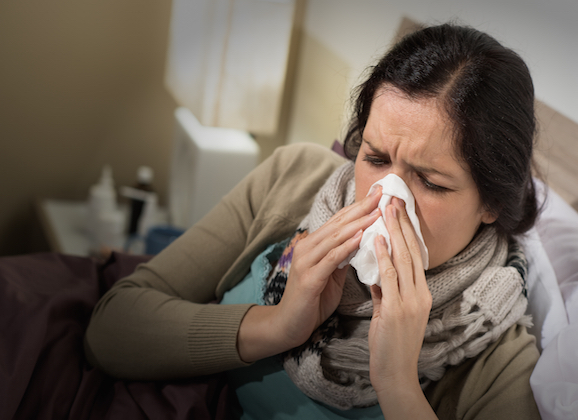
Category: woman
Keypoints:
(450, 111)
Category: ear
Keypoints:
(489, 217)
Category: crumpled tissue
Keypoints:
(365, 260)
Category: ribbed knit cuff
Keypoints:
(212, 342)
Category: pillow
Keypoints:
(558, 231)
(545, 302)
(555, 377)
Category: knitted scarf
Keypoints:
(477, 295)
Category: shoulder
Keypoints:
(493, 385)
(306, 154)
(293, 173)
(303, 168)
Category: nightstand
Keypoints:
(64, 224)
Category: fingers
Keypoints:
(387, 272)
(403, 271)
(409, 235)
(328, 240)
(323, 261)
(353, 212)
(413, 247)
(376, 295)
(401, 255)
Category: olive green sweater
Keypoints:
(158, 323)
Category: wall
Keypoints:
(340, 38)
(81, 85)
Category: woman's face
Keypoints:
(412, 139)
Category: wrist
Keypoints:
(259, 336)
(403, 398)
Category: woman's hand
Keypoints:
(401, 310)
(314, 286)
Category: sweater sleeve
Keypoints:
(158, 323)
(493, 386)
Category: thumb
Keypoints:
(376, 299)
(340, 274)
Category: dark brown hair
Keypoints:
(488, 94)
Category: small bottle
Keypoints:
(105, 222)
(144, 183)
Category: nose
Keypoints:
(401, 175)
(404, 175)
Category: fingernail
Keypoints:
(373, 191)
(382, 240)
(374, 212)
(393, 211)
(357, 234)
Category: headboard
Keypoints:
(556, 152)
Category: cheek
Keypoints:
(447, 228)
(363, 181)
(430, 215)
(361, 189)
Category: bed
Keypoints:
(46, 301)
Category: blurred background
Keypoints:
(84, 84)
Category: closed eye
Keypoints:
(376, 160)
(431, 186)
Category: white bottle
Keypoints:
(105, 221)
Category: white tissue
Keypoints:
(365, 260)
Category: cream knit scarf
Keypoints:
(477, 296)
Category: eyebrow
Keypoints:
(415, 168)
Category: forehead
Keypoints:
(420, 124)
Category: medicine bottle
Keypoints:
(145, 176)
